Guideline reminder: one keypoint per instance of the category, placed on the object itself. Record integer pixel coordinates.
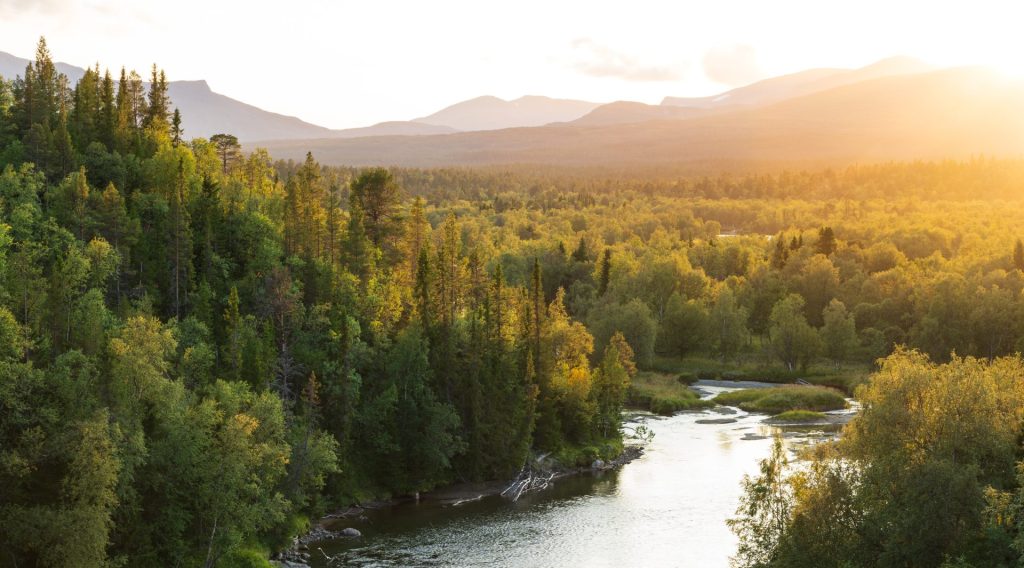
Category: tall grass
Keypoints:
(663, 394)
(775, 400)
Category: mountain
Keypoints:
(492, 113)
(951, 113)
(203, 111)
(757, 94)
(393, 128)
(784, 87)
(12, 66)
(623, 112)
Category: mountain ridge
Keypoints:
(896, 117)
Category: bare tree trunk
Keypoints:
(210, 558)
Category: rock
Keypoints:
(350, 533)
(598, 464)
(717, 421)
(288, 564)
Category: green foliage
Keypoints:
(166, 305)
(764, 512)
(838, 334)
(662, 394)
(776, 400)
(926, 475)
(794, 341)
(633, 320)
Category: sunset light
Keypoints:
(531, 284)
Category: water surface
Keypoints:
(667, 508)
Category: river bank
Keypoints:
(668, 507)
(335, 525)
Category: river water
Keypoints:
(667, 508)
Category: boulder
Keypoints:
(350, 532)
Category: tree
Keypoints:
(794, 341)
(780, 252)
(582, 253)
(685, 327)
(610, 383)
(411, 426)
(764, 511)
(605, 272)
(818, 283)
(377, 194)
(176, 130)
(826, 244)
(727, 323)
(229, 150)
(633, 320)
(839, 333)
(157, 113)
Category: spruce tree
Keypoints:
(606, 273)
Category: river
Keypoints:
(667, 508)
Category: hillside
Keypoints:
(949, 113)
(492, 113)
(776, 89)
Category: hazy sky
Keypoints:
(353, 63)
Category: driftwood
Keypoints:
(530, 478)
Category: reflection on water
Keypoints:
(667, 508)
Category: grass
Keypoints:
(757, 367)
(799, 416)
(776, 400)
(663, 394)
(584, 456)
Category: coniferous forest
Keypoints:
(204, 350)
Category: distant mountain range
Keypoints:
(492, 113)
(951, 113)
(205, 113)
(897, 108)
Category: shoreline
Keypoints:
(331, 525)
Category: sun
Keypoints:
(1010, 65)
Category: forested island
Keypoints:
(203, 351)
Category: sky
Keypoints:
(351, 63)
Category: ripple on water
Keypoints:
(667, 508)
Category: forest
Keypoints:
(204, 349)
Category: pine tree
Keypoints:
(86, 114)
(157, 113)
(537, 297)
(233, 335)
(176, 129)
(229, 150)
(780, 254)
(108, 112)
(360, 254)
(378, 194)
(606, 273)
(181, 242)
(422, 290)
(826, 241)
(582, 253)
